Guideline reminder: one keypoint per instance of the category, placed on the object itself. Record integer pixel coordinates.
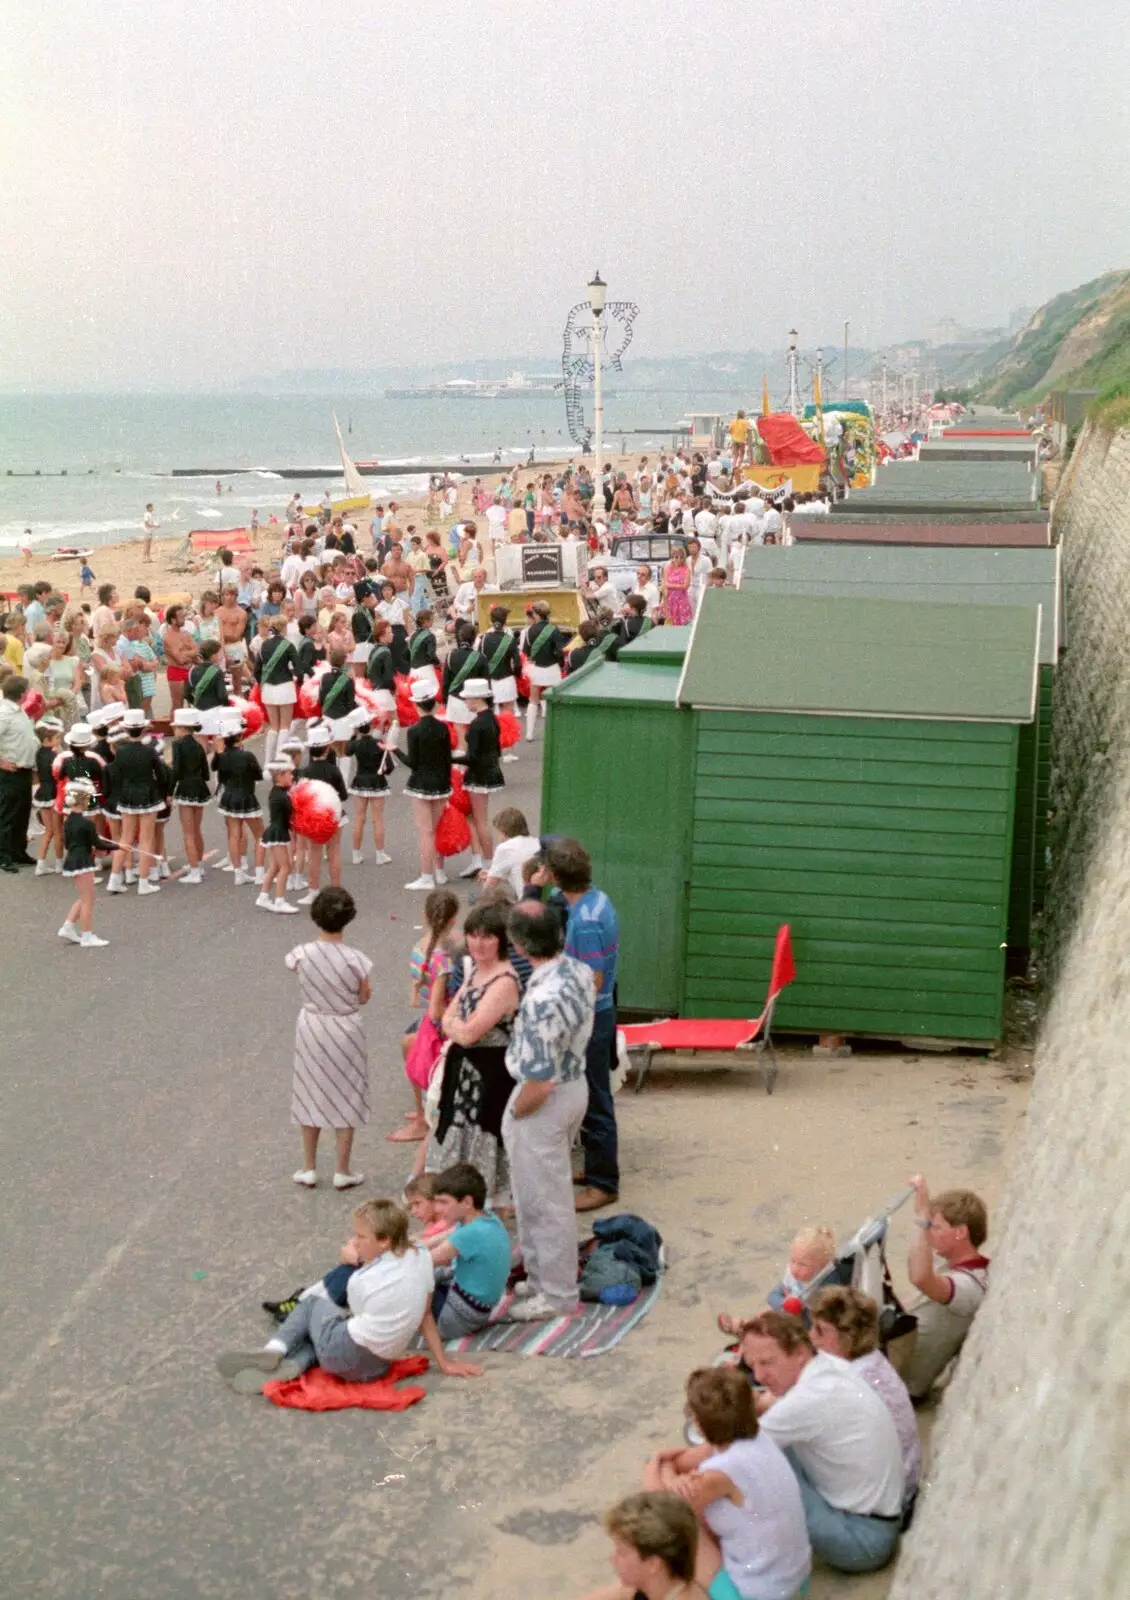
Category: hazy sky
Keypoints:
(201, 192)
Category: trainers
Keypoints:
(309, 897)
(382, 858)
(307, 1179)
(91, 941)
(193, 875)
(260, 874)
(131, 877)
(472, 871)
(523, 1289)
(281, 1309)
(424, 882)
(358, 857)
(164, 870)
(145, 887)
(536, 1308)
(69, 930)
(42, 869)
(240, 877)
(264, 902)
(114, 884)
(226, 865)
(508, 758)
(348, 1180)
(441, 875)
(59, 867)
(284, 906)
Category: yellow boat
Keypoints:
(341, 508)
(356, 497)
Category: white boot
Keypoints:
(131, 877)
(285, 907)
(42, 869)
(271, 745)
(382, 858)
(264, 902)
(91, 941)
(260, 874)
(424, 881)
(69, 931)
(242, 877)
(193, 875)
(531, 722)
(358, 857)
(163, 870)
(59, 866)
(114, 884)
(145, 887)
(347, 765)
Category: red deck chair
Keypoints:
(720, 1033)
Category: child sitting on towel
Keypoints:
(477, 1250)
(389, 1301)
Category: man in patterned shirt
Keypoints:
(546, 1056)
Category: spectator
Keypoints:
(546, 1057)
(592, 936)
(18, 747)
(516, 845)
(953, 1226)
(845, 1323)
(840, 1441)
(654, 1549)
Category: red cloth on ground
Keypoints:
(321, 1391)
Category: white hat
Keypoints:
(77, 786)
(186, 717)
(102, 716)
(360, 717)
(319, 737)
(294, 746)
(477, 689)
(422, 691)
(116, 735)
(231, 722)
(135, 718)
(80, 735)
(279, 766)
(49, 725)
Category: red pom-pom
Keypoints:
(509, 729)
(406, 713)
(792, 1306)
(255, 697)
(308, 708)
(34, 704)
(453, 836)
(452, 733)
(253, 715)
(316, 813)
(523, 680)
(460, 799)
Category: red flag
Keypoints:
(784, 967)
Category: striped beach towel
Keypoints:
(592, 1331)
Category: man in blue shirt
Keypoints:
(592, 936)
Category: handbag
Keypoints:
(423, 1053)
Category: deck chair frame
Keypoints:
(759, 1044)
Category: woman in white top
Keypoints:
(845, 1323)
(753, 1541)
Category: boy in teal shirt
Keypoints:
(477, 1249)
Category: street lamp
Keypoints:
(597, 290)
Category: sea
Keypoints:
(78, 470)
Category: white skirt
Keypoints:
(386, 700)
(543, 677)
(279, 694)
(458, 713)
(505, 691)
(341, 729)
(426, 675)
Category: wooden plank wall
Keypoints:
(885, 844)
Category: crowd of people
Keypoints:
(360, 661)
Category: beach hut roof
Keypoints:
(662, 645)
(963, 576)
(644, 683)
(827, 656)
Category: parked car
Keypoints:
(631, 551)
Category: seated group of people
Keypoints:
(809, 1439)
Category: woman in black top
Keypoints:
(279, 675)
(482, 774)
(276, 839)
(429, 787)
(207, 686)
(379, 668)
(368, 788)
(544, 649)
(138, 780)
(309, 650)
(499, 649)
(464, 662)
(47, 731)
(631, 626)
(239, 771)
(191, 790)
(423, 662)
(81, 839)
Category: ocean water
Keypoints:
(118, 452)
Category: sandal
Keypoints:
(409, 1133)
(728, 1324)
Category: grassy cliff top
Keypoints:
(1078, 340)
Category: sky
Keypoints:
(194, 194)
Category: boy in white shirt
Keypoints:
(515, 847)
(390, 1298)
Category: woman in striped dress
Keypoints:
(331, 1066)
